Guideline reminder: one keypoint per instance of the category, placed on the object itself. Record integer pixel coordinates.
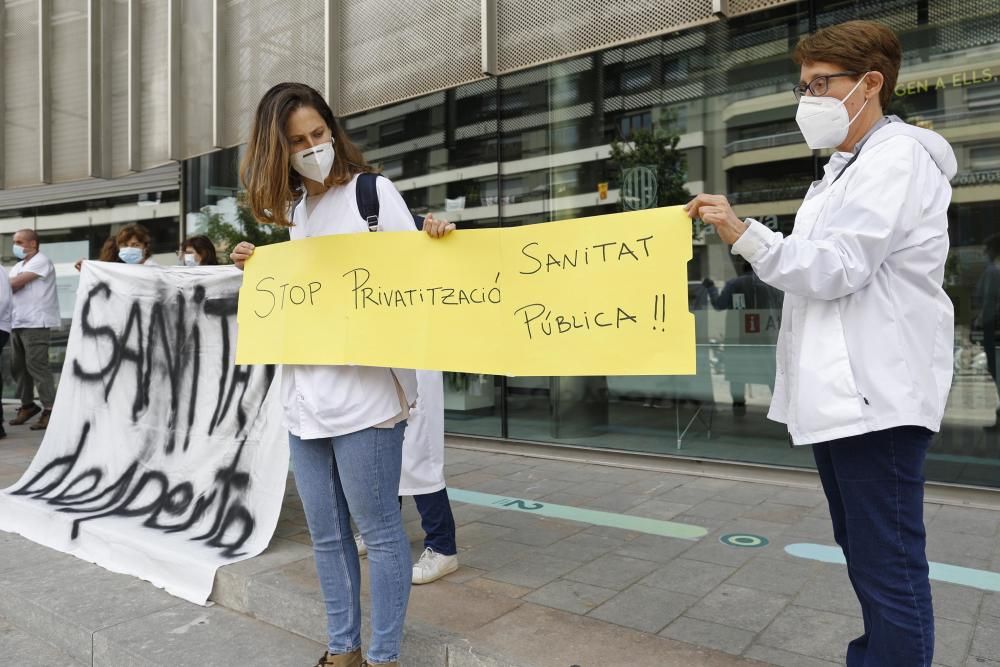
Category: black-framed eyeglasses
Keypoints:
(819, 86)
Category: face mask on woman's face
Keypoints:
(130, 255)
(190, 259)
(314, 162)
(823, 121)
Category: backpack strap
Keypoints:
(366, 191)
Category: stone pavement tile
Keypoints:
(816, 530)
(582, 547)
(464, 573)
(616, 502)
(452, 470)
(495, 554)
(689, 576)
(571, 596)
(457, 608)
(830, 591)
(477, 532)
(624, 476)
(774, 656)
(775, 576)
(193, 636)
(801, 497)
(289, 597)
(471, 480)
(498, 587)
(465, 514)
(17, 552)
(654, 486)
(985, 642)
(10, 473)
(975, 661)
(534, 571)
(526, 634)
(518, 520)
(593, 489)
(544, 534)
(748, 493)
(712, 484)
(970, 520)
(230, 589)
(644, 608)
(70, 601)
(738, 607)
(951, 642)
(956, 603)
(708, 523)
(655, 548)
(687, 494)
(709, 635)
(777, 513)
(960, 548)
(505, 469)
(989, 613)
(710, 550)
(567, 472)
(19, 649)
(502, 486)
(811, 632)
(612, 571)
(717, 509)
(659, 509)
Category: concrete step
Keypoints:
(23, 649)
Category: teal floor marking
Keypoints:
(639, 524)
(953, 574)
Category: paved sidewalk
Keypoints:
(545, 582)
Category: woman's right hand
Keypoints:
(241, 253)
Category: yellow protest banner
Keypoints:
(605, 295)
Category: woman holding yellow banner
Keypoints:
(864, 354)
(345, 423)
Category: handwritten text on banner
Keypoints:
(605, 295)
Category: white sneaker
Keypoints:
(360, 543)
(432, 566)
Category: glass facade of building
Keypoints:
(536, 145)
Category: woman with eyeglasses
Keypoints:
(864, 354)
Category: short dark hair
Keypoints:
(857, 46)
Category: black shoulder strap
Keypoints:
(849, 163)
(366, 192)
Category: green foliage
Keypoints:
(225, 235)
(655, 148)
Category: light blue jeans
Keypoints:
(357, 475)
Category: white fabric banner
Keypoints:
(163, 459)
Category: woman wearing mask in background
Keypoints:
(345, 423)
(198, 251)
(864, 354)
(130, 245)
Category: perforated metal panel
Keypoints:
(531, 33)
(196, 77)
(267, 43)
(154, 134)
(388, 55)
(69, 90)
(739, 7)
(20, 63)
(118, 17)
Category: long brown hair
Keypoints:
(204, 247)
(272, 186)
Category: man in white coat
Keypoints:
(6, 301)
(864, 354)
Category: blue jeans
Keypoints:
(437, 521)
(357, 475)
(874, 484)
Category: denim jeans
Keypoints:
(874, 484)
(437, 521)
(357, 475)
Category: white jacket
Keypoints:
(867, 332)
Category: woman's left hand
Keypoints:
(715, 210)
(436, 228)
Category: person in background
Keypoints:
(134, 245)
(34, 313)
(198, 251)
(6, 302)
(986, 300)
(866, 341)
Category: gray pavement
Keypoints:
(563, 563)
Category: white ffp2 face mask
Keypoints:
(314, 163)
(823, 121)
